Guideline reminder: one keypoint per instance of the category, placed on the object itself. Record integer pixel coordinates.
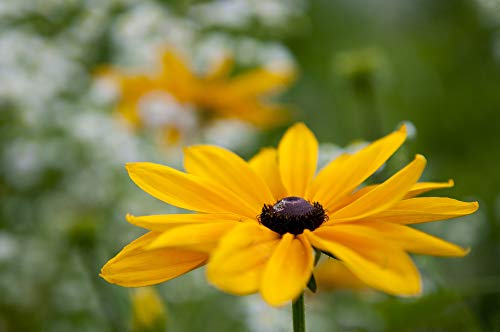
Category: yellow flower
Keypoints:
(257, 223)
(149, 313)
(215, 92)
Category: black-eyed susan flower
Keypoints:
(212, 94)
(257, 224)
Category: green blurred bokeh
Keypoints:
(365, 67)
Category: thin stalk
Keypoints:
(299, 318)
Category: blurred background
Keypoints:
(352, 71)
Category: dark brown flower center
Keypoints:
(292, 215)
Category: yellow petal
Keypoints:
(346, 200)
(201, 237)
(265, 163)
(131, 86)
(129, 111)
(383, 196)
(237, 264)
(376, 263)
(417, 189)
(134, 266)
(407, 238)
(148, 309)
(176, 73)
(337, 179)
(287, 271)
(333, 274)
(230, 171)
(423, 187)
(164, 222)
(424, 209)
(259, 113)
(298, 157)
(173, 61)
(257, 83)
(187, 191)
(220, 69)
(171, 135)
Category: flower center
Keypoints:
(292, 215)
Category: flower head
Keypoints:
(258, 223)
(213, 94)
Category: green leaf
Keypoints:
(311, 284)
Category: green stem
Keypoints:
(299, 317)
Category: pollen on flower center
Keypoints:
(292, 215)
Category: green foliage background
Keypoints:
(365, 66)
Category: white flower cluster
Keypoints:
(138, 36)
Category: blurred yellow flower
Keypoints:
(149, 313)
(258, 222)
(214, 93)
